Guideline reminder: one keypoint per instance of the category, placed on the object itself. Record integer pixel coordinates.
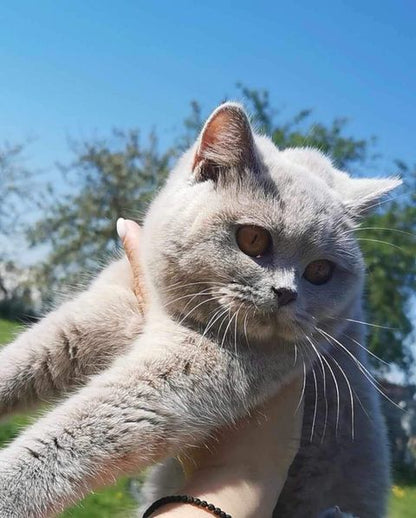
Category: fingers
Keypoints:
(129, 233)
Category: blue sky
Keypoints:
(78, 68)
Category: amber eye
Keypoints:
(319, 272)
(253, 241)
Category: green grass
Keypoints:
(112, 502)
(7, 330)
(403, 502)
(115, 502)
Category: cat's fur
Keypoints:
(215, 341)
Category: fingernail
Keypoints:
(121, 228)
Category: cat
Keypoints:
(254, 276)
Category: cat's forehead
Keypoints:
(304, 171)
(293, 212)
(290, 196)
(303, 183)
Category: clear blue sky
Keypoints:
(78, 68)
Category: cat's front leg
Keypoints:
(142, 410)
(80, 338)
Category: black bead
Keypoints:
(186, 500)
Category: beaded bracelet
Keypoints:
(185, 499)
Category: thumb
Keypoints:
(130, 235)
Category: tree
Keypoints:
(388, 240)
(108, 178)
(16, 197)
(14, 187)
(117, 177)
(387, 237)
(347, 152)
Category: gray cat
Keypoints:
(254, 276)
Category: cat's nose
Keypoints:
(284, 295)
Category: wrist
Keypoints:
(240, 493)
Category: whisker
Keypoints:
(217, 314)
(410, 234)
(387, 200)
(323, 379)
(178, 285)
(362, 406)
(193, 295)
(382, 243)
(245, 328)
(235, 329)
(316, 404)
(302, 394)
(366, 349)
(361, 367)
(224, 320)
(351, 396)
(334, 378)
(226, 329)
(365, 323)
(196, 307)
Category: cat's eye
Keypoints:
(319, 272)
(253, 241)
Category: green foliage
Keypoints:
(192, 126)
(15, 188)
(113, 502)
(108, 178)
(7, 331)
(118, 176)
(16, 292)
(346, 151)
(16, 198)
(387, 237)
(10, 429)
(402, 502)
(388, 241)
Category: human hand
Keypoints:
(129, 233)
(243, 467)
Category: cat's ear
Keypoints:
(226, 142)
(361, 195)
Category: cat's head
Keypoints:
(245, 239)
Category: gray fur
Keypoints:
(71, 343)
(214, 343)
